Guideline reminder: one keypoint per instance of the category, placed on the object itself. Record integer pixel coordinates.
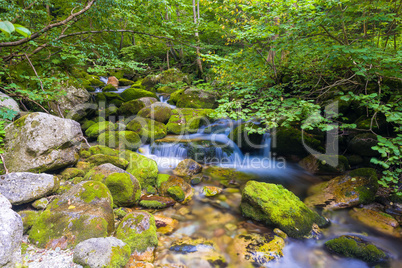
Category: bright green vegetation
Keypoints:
(125, 192)
(143, 168)
(120, 139)
(147, 128)
(177, 193)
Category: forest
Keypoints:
(203, 133)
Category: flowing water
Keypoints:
(104, 79)
(219, 219)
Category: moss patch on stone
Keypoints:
(97, 128)
(133, 93)
(131, 107)
(120, 139)
(99, 159)
(188, 120)
(125, 192)
(143, 168)
(147, 128)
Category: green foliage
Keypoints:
(2, 133)
(7, 28)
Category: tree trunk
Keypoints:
(196, 15)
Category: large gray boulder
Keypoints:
(102, 252)
(23, 187)
(8, 102)
(10, 235)
(39, 142)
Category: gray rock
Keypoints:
(23, 187)
(74, 104)
(39, 142)
(6, 101)
(10, 237)
(102, 252)
(41, 203)
(4, 203)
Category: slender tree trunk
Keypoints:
(196, 15)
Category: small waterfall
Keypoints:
(266, 145)
(164, 99)
(103, 79)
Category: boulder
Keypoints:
(276, 206)
(108, 88)
(188, 120)
(327, 164)
(148, 100)
(120, 139)
(165, 225)
(133, 93)
(197, 98)
(361, 145)
(24, 187)
(138, 230)
(357, 187)
(228, 176)
(71, 173)
(156, 202)
(210, 191)
(167, 189)
(9, 103)
(84, 212)
(143, 168)
(102, 252)
(96, 129)
(147, 128)
(158, 111)
(11, 230)
(40, 204)
(100, 173)
(187, 167)
(166, 77)
(113, 81)
(131, 107)
(99, 159)
(248, 143)
(125, 189)
(125, 82)
(176, 95)
(29, 217)
(39, 142)
(355, 247)
(74, 104)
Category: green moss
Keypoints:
(136, 93)
(354, 247)
(95, 82)
(166, 89)
(177, 193)
(93, 190)
(120, 213)
(175, 96)
(101, 149)
(109, 87)
(29, 217)
(161, 178)
(63, 188)
(277, 206)
(187, 120)
(120, 256)
(120, 139)
(125, 82)
(138, 230)
(131, 107)
(96, 129)
(197, 98)
(70, 173)
(99, 159)
(143, 168)
(160, 112)
(147, 128)
(152, 204)
(366, 192)
(87, 124)
(123, 189)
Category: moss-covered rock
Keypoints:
(125, 189)
(87, 124)
(133, 93)
(166, 89)
(175, 96)
(29, 217)
(108, 88)
(357, 187)
(40, 203)
(84, 212)
(131, 107)
(101, 149)
(120, 139)
(70, 173)
(138, 230)
(187, 120)
(176, 193)
(96, 129)
(148, 129)
(211, 191)
(228, 176)
(326, 164)
(187, 167)
(156, 202)
(125, 82)
(355, 247)
(143, 168)
(380, 221)
(159, 111)
(361, 144)
(99, 159)
(178, 182)
(160, 179)
(276, 206)
(197, 98)
(100, 173)
(95, 82)
(166, 77)
(246, 142)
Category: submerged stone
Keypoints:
(174, 181)
(154, 201)
(187, 167)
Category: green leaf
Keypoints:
(6, 27)
(22, 30)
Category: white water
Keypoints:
(104, 79)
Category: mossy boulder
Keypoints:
(276, 206)
(96, 129)
(210, 191)
(148, 129)
(158, 111)
(84, 212)
(357, 187)
(108, 88)
(40, 204)
(101, 149)
(125, 189)
(120, 139)
(187, 167)
(148, 100)
(131, 107)
(188, 120)
(175, 96)
(355, 247)
(325, 164)
(133, 93)
(361, 145)
(29, 217)
(228, 176)
(138, 230)
(291, 142)
(248, 143)
(100, 173)
(156, 202)
(99, 159)
(380, 221)
(255, 249)
(161, 178)
(169, 76)
(177, 182)
(125, 82)
(197, 98)
(87, 124)
(95, 82)
(70, 173)
(143, 168)
(166, 89)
